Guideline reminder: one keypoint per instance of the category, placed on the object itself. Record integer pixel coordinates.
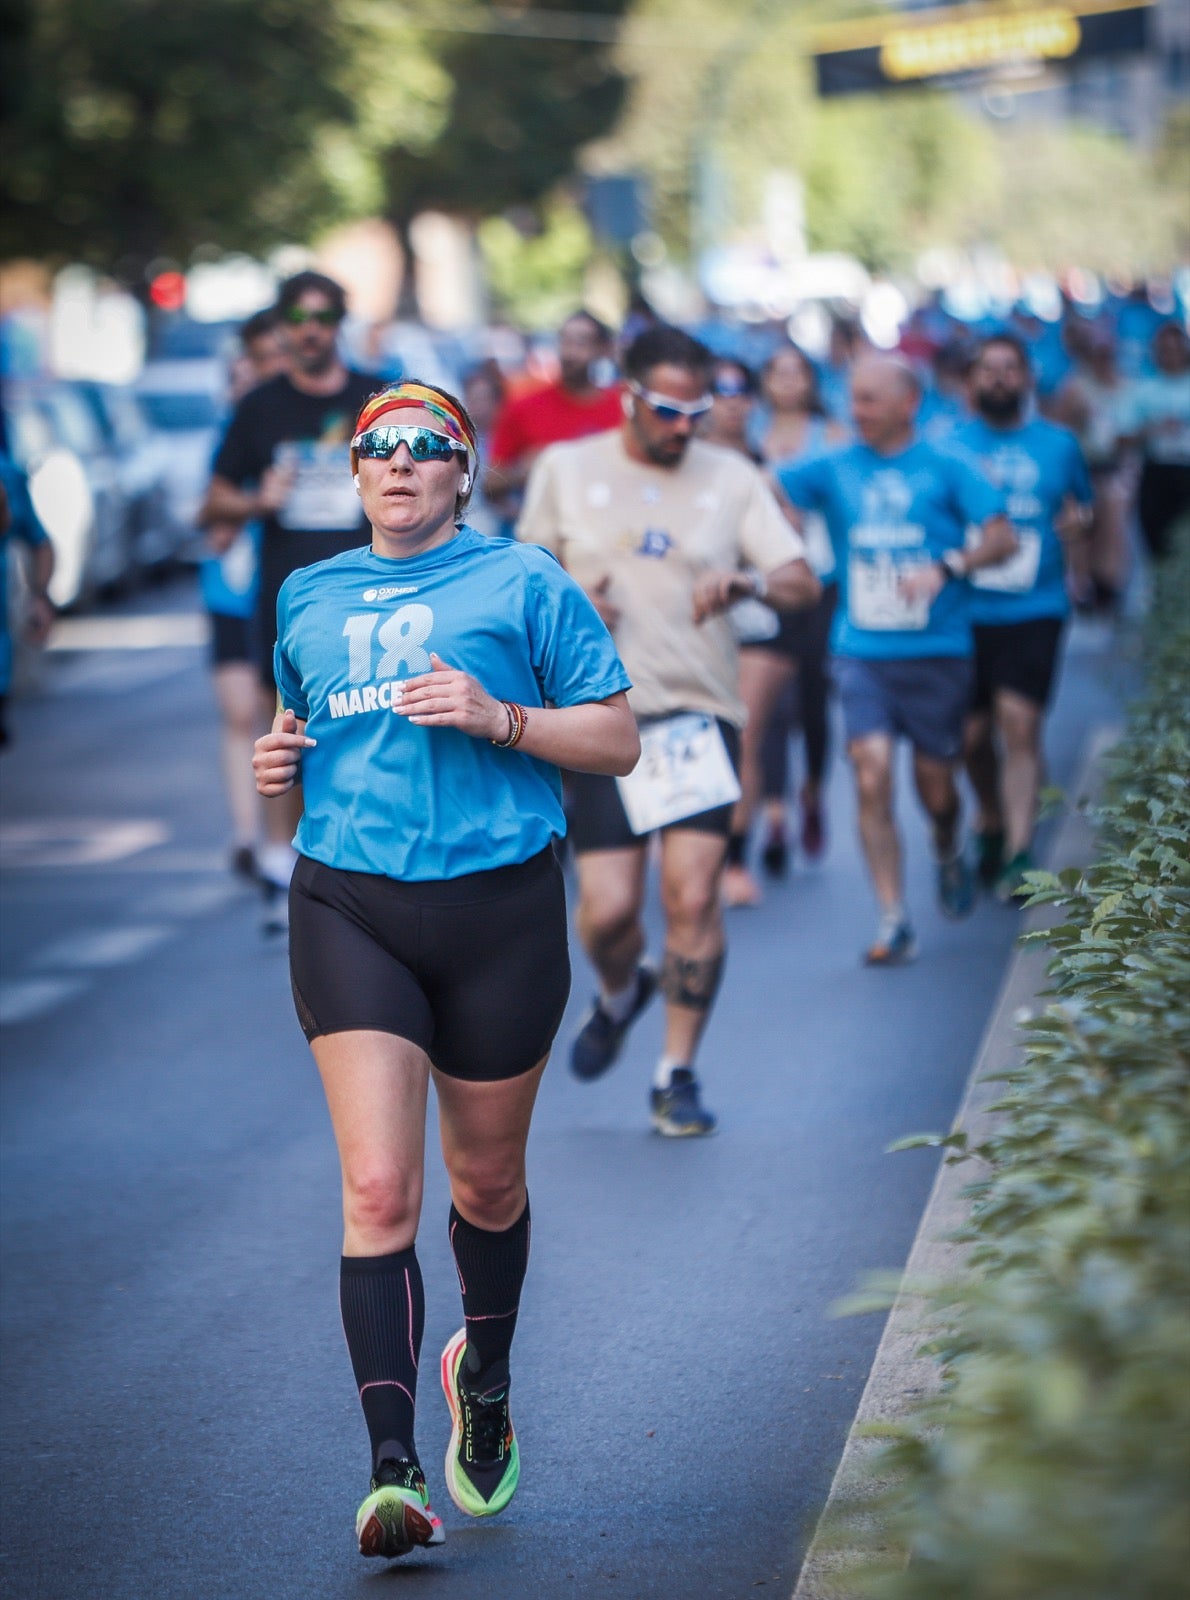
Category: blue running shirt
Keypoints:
(887, 515)
(1035, 466)
(418, 803)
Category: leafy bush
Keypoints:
(1054, 1463)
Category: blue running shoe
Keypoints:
(956, 887)
(600, 1039)
(678, 1112)
(894, 946)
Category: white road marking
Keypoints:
(164, 631)
(76, 842)
(100, 947)
(22, 999)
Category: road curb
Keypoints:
(900, 1375)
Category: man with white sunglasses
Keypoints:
(666, 533)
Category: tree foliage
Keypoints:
(885, 177)
(521, 108)
(135, 129)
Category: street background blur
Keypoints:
(840, 172)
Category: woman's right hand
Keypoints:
(279, 753)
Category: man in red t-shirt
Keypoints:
(572, 408)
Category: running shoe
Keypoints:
(483, 1464)
(274, 918)
(813, 829)
(243, 863)
(396, 1516)
(1012, 879)
(894, 946)
(678, 1112)
(956, 887)
(774, 858)
(989, 858)
(739, 888)
(600, 1039)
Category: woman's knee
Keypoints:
(490, 1189)
(381, 1201)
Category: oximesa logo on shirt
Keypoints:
(371, 595)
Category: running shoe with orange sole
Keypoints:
(483, 1463)
(396, 1517)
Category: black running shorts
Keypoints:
(598, 820)
(1021, 656)
(232, 640)
(474, 970)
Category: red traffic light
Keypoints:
(168, 291)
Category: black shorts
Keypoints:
(598, 820)
(474, 970)
(1021, 656)
(803, 634)
(232, 639)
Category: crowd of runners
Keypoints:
(586, 622)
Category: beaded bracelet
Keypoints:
(518, 721)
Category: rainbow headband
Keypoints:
(453, 419)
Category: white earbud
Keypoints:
(628, 405)
(464, 483)
(355, 480)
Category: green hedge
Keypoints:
(1054, 1464)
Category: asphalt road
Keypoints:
(179, 1417)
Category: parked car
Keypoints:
(185, 405)
(74, 480)
(143, 463)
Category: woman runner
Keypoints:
(431, 684)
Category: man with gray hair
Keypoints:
(898, 510)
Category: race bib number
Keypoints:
(683, 769)
(1018, 574)
(875, 599)
(323, 497)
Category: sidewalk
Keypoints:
(900, 1375)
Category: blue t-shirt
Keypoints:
(887, 515)
(1035, 466)
(418, 803)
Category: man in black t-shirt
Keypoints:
(285, 462)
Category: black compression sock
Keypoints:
(384, 1313)
(491, 1270)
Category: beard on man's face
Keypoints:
(999, 404)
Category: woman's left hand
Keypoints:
(448, 698)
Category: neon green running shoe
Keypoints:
(396, 1516)
(483, 1464)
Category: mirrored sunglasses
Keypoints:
(297, 315)
(378, 444)
(666, 409)
(731, 388)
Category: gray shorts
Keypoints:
(923, 700)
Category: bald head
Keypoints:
(885, 395)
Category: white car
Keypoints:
(74, 482)
(185, 403)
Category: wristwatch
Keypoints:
(953, 564)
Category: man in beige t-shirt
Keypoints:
(666, 533)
